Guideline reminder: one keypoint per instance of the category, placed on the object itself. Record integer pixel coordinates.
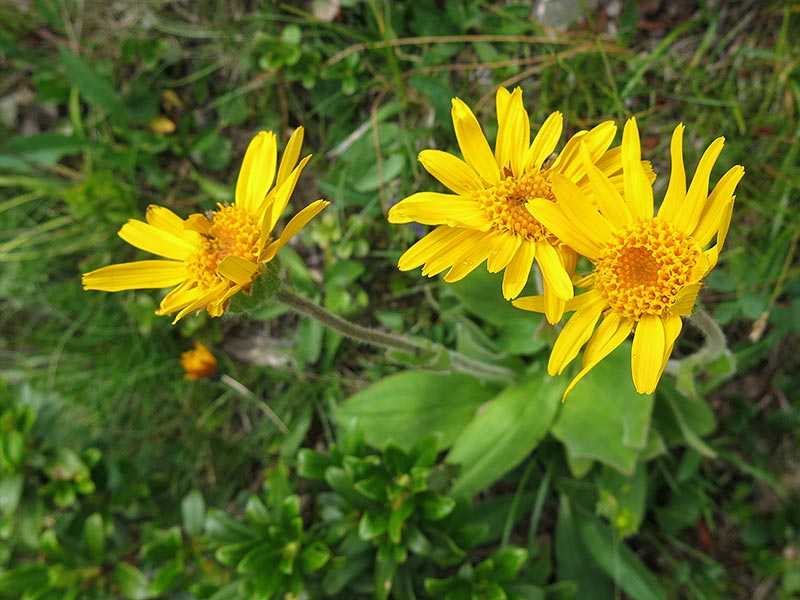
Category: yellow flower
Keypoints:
(211, 258)
(198, 363)
(647, 270)
(486, 218)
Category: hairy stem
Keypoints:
(381, 339)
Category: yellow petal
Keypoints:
(473, 143)
(198, 223)
(611, 163)
(513, 131)
(474, 254)
(290, 155)
(453, 172)
(553, 272)
(712, 254)
(181, 295)
(531, 303)
(649, 342)
(672, 327)
(450, 253)
(685, 299)
(689, 213)
(432, 208)
(582, 300)
(580, 213)
(270, 212)
(608, 200)
(164, 218)
(612, 331)
(237, 269)
(545, 142)
(426, 248)
(717, 206)
(156, 241)
(503, 252)
(293, 227)
(144, 274)
(257, 172)
(638, 192)
(553, 218)
(202, 301)
(597, 141)
(553, 306)
(518, 270)
(676, 189)
(575, 334)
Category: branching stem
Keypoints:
(381, 339)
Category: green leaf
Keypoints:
(336, 578)
(507, 562)
(574, 561)
(263, 557)
(46, 148)
(686, 418)
(385, 569)
(24, 579)
(95, 88)
(193, 511)
(503, 434)
(378, 175)
(167, 575)
(372, 524)
(604, 419)
(619, 562)
(412, 405)
(10, 493)
(312, 464)
(436, 507)
(256, 512)
(132, 583)
(94, 536)
(314, 556)
(224, 529)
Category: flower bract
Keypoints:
(210, 257)
(485, 218)
(647, 269)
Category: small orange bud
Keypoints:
(198, 363)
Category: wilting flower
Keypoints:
(486, 218)
(209, 258)
(647, 270)
(198, 362)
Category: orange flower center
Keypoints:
(504, 204)
(643, 267)
(230, 231)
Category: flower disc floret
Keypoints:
(233, 232)
(643, 267)
(504, 205)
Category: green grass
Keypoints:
(372, 87)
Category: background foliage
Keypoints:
(118, 478)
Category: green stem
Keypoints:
(715, 338)
(381, 339)
(715, 343)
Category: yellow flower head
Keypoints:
(198, 363)
(647, 270)
(209, 258)
(486, 218)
